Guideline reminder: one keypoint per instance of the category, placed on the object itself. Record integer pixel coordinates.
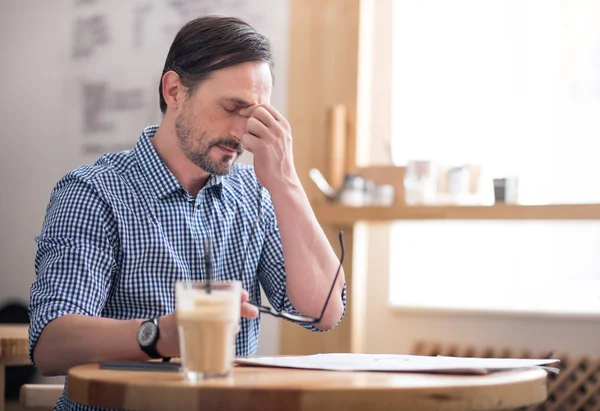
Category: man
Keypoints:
(119, 233)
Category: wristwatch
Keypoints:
(147, 337)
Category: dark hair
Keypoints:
(210, 43)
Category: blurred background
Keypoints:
(459, 139)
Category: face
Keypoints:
(209, 127)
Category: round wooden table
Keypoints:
(14, 350)
(257, 388)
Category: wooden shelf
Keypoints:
(338, 214)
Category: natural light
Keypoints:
(513, 86)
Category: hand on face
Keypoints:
(268, 136)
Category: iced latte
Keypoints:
(207, 324)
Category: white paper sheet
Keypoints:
(397, 363)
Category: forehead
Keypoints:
(250, 81)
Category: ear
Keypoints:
(173, 90)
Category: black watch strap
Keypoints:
(151, 351)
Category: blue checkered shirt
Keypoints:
(119, 233)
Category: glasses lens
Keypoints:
(292, 317)
(298, 318)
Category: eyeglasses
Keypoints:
(297, 318)
(303, 319)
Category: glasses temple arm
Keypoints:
(336, 277)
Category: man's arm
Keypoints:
(80, 339)
(310, 262)
(74, 268)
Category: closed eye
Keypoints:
(230, 111)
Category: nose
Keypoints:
(238, 127)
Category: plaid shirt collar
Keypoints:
(159, 178)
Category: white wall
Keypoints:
(40, 111)
(30, 89)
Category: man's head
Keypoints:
(215, 67)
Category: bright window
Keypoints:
(513, 85)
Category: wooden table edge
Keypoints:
(531, 388)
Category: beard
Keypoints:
(196, 144)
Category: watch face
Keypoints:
(147, 334)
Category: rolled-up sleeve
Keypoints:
(74, 258)
(271, 267)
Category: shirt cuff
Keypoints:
(42, 315)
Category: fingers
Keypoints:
(262, 109)
(263, 126)
(274, 113)
(267, 114)
(261, 114)
(256, 127)
(248, 310)
(264, 122)
(251, 143)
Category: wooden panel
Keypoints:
(14, 345)
(338, 133)
(322, 74)
(337, 214)
(323, 66)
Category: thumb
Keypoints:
(247, 310)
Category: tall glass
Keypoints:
(207, 322)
